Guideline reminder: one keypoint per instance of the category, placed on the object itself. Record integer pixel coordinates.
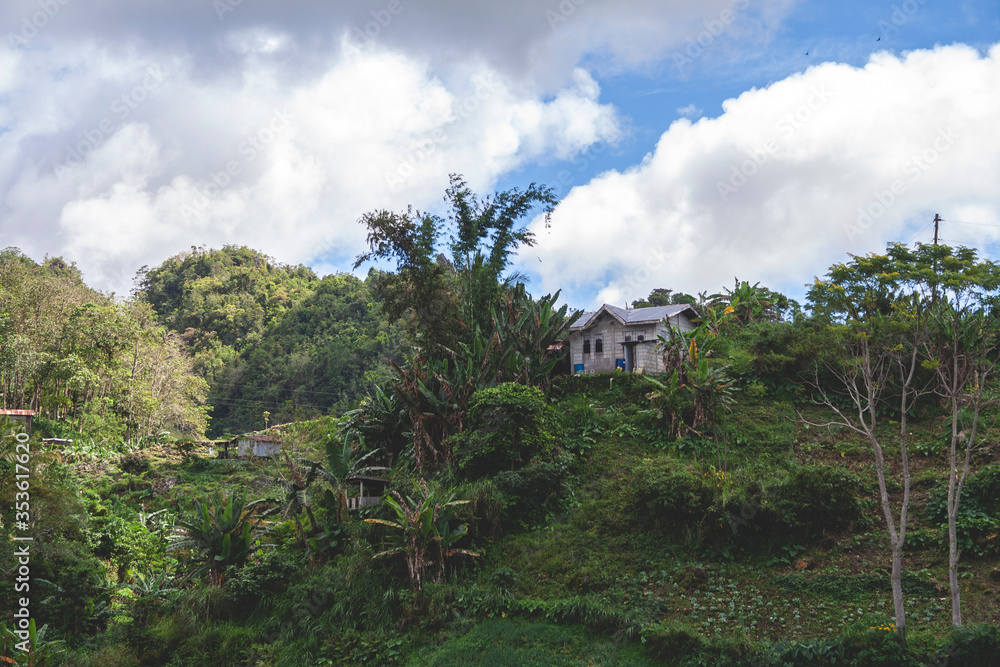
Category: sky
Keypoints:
(690, 144)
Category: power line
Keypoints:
(980, 224)
(921, 232)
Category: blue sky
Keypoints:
(691, 142)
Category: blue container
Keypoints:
(620, 364)
(577, 368)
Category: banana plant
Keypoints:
(39, 653)
(423, 522)
(220, 533)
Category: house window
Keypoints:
(628, 337)
(642, 336)
(586, 346)
(598, 344)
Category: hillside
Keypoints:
(744, 507)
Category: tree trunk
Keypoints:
(897, 589)
(953, 556)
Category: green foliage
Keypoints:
(422, 531)
(506, 426)
(670, 494)
(978, 520)
(40, 651)
(815, 498)
(535, 492)
(220, 533)
(261, 580)
(328, 349)
(514, 641)
(976, 645)
(71, 353)
(229, 295)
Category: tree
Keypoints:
(964, 336)
(881, 325)
(469, 324)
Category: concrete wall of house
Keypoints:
(612, 334)
(267, 449)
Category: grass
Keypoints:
(596, 568)
(516, 641)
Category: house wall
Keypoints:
(249, 447)
(266, 449)
(613, 334)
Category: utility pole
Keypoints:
(937, 219)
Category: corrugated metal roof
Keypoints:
(18, 413)
(636, 315)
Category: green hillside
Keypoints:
(746, 507)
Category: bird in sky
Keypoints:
(879, 39)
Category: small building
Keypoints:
(617, 338)
(23, 416)
(264, 446)
(375, 491)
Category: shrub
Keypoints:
(534, 492)
(670, 644)
(814, 498)
(506, 426)
(671, 494)
(974, 645)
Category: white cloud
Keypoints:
(787, 180)
(288, 170)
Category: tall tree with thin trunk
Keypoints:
(963, 341)
(881, 325)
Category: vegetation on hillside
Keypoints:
(801, 487)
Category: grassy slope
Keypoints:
(804, 589)
(599, 555)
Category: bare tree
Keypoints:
(964, 338)
(879, 327)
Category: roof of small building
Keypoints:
(635, 315)
(256, 438)
(18, 413)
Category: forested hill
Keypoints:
(98, 366)
(271, 338)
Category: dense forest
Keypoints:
(806, 484)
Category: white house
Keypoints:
(614, 337)
(257, 445)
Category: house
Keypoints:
(616, 338)
(264, 446)
(376, 489)
(23, 416)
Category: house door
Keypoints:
(629, 357)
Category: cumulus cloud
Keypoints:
(160, 160)
(134, 130)
(788, 180)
